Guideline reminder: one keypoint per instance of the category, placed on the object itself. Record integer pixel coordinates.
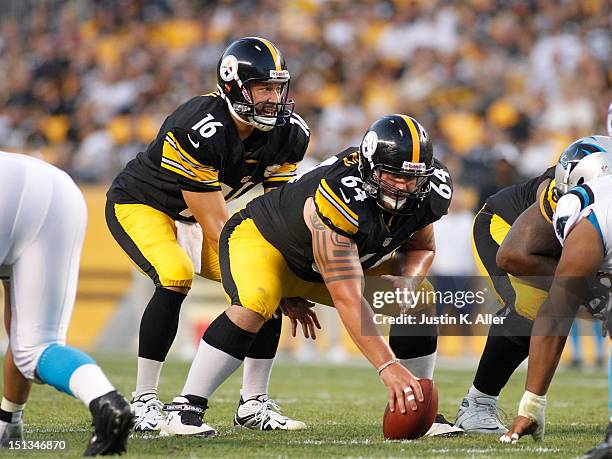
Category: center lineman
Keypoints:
(212, 149)
(314, 238)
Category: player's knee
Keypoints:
(26, 358)
(410, 347)
(260, 300)
(179, 273)
(58, 363)
(511, 259)
(426, 300)
(516, 324)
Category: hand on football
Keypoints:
(520, 427)
(300, 310)
(402, 387)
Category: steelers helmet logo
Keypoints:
(228, 68)
(369, 144)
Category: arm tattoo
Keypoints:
(335, 255)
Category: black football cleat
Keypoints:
(601, 451)
(604, 449)
(113, 421)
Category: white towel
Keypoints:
(190, 237)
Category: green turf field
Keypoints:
(342, 407)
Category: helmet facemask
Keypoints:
(249, 61)
(396, 145)
(261, 115)
(396, 200)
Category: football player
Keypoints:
(504, 254)
(583, 225)
(212, 149)
(314, 238)
(42, 227)
(605, 448)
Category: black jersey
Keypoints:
(335, 186)
(512, 201)
(198, 148)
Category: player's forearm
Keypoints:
(550, 330)
(544, 355)
(212, 230)
(210, 212)
(359, 323)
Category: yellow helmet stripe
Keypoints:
(416, 143)
(274, 52)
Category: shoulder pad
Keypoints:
(183, 154)
(350, 157)
(567, 214)
(292, 139)
(338, 202)
(297, 121)
(584, 194)
(441, 190)
(548, 201)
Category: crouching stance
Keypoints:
(42, 227)
(582, 224)
(314, 238)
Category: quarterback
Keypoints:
(314, 238)
(42, 227)
(212, 149)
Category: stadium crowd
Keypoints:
(502, 86)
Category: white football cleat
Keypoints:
(261, 413)
(149, 412)
(443, 428)
(11, 431)
(480, 415)
(185, 417)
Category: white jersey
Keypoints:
(593, 201)
(42, 228)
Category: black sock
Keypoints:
(159, 324)
(266, 342)
(502, 355)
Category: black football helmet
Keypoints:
(248, 60)
(397, 144)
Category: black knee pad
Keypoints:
(225, 335)
(408, 343)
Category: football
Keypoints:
(412, 424)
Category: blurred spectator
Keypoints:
(577, 340)
(87, 83)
